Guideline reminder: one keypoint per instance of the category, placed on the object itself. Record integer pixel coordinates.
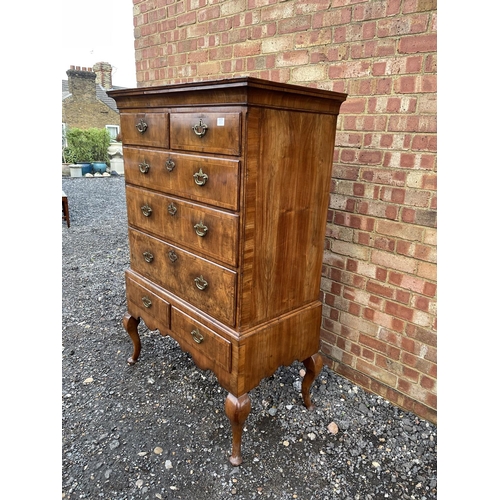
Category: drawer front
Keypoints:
(206, 132)
(211, 232)
(206, 346)
(205, 285)
(145, 129)
(214, 181)
(143, 303)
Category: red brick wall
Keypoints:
(379, 273)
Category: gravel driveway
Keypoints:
(157, 430)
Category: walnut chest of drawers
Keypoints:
(227, 189)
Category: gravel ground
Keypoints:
(157, 430)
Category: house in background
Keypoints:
(85, 103)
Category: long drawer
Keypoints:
(209, 180)
(204, 284)
(213, 233)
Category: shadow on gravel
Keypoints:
(157, 430)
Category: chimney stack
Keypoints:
(103, 72)
(81, 81)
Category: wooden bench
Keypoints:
(65, 208)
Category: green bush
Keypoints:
(87, 145)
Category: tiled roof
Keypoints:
(100, 93)
(65, 91)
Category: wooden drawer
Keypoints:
(205, 346)
(154, 128)
(145, 304)
(204, 284)
(214, 181)
(211, 232)
(211, 132)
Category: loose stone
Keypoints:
(333, 427)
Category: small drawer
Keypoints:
(209, 180)
(205, 346)
(211, 232)
(145, 304)
(211, 132)
(145, 129)
(205, 285)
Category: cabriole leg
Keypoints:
(130, 324)
(237, 410)
(313, 366)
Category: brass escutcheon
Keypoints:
(148, 257)
(172, 209)
(144, 167)
(201, 229)
(200, 178)
(170, 164)
(172, 255)
(197, 336)
(146, 210)
(200, 129)
(201, 284)
(142, 126)
(147, 303)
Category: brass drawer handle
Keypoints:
(197, 336)
(142, 126)
(170, 164)
(144, 167)
(200, 178)
(147, 303)
(201, 229)
(200, 129)
(172, 209)
(148, 257)
(146, 210)
(201, 284)
(172, 256)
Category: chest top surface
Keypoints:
(231, 91)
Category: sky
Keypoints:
(99, 31)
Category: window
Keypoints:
(113, 131)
